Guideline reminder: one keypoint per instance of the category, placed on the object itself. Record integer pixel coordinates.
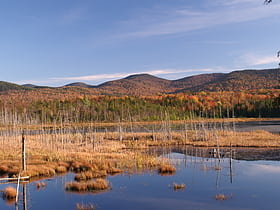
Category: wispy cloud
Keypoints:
(219, 42)
(255, 60)
(73, 15)
(113, 76)
(96, 77)
(180, 20)
(238, 2)
(157, 72)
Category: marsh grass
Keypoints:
(47, 156)
(222, 197)
(88, 175)
(61, 169)
(178, 186)
(166, 169)
(208, 138)
(9, 193)
(218, 168)
(89, 186)
(40, 185)
(114, 170)
(81, 206)
(83, 176)
(77, 166)
(60, 152)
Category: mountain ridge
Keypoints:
(146, 84)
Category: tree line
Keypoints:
(261, 103)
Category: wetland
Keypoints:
(210, 183)
(236, 167)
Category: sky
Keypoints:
(57, 42)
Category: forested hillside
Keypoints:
(93, 108)
(6, 86)
(244, 80)
(145, 84)
(250, 93)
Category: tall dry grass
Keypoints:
(48, 155)
(166, 169)
(97, 185)
(103, 153)
(178, 186)
(9, 193)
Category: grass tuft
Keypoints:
(114, 170)
(40, 185)
(178, 186)
(221, 197)
(10, 193)
(81, 206)
(166, 169)
(61, 169)
(218, 168)
(79, 166)
(97, 185)
(83, 176)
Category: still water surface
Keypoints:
(247, 185)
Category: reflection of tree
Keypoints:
(24, 198)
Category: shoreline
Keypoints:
(51, 154)
(125, 123)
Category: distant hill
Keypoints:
(139, 84)
(243, 80)
(193, 82)
(6, 86)
(79, 84)
(35, 86)
(145, 84)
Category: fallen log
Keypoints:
(14, 179)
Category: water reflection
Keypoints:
(265, 125)
(256, 169)
(225, 152)
(245, 184)
(22, 202)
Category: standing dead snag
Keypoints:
(267, 1)
(23, 161)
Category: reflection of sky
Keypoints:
(255, 186)
(270, 168)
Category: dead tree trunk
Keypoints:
(23, 161)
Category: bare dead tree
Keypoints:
(267, 1)
(278, 53)
(278, 56)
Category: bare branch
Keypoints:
(267, 1)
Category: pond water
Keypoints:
(272, 126)
(246, 185)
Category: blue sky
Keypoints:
(55, 42)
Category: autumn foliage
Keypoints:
(48, 106)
